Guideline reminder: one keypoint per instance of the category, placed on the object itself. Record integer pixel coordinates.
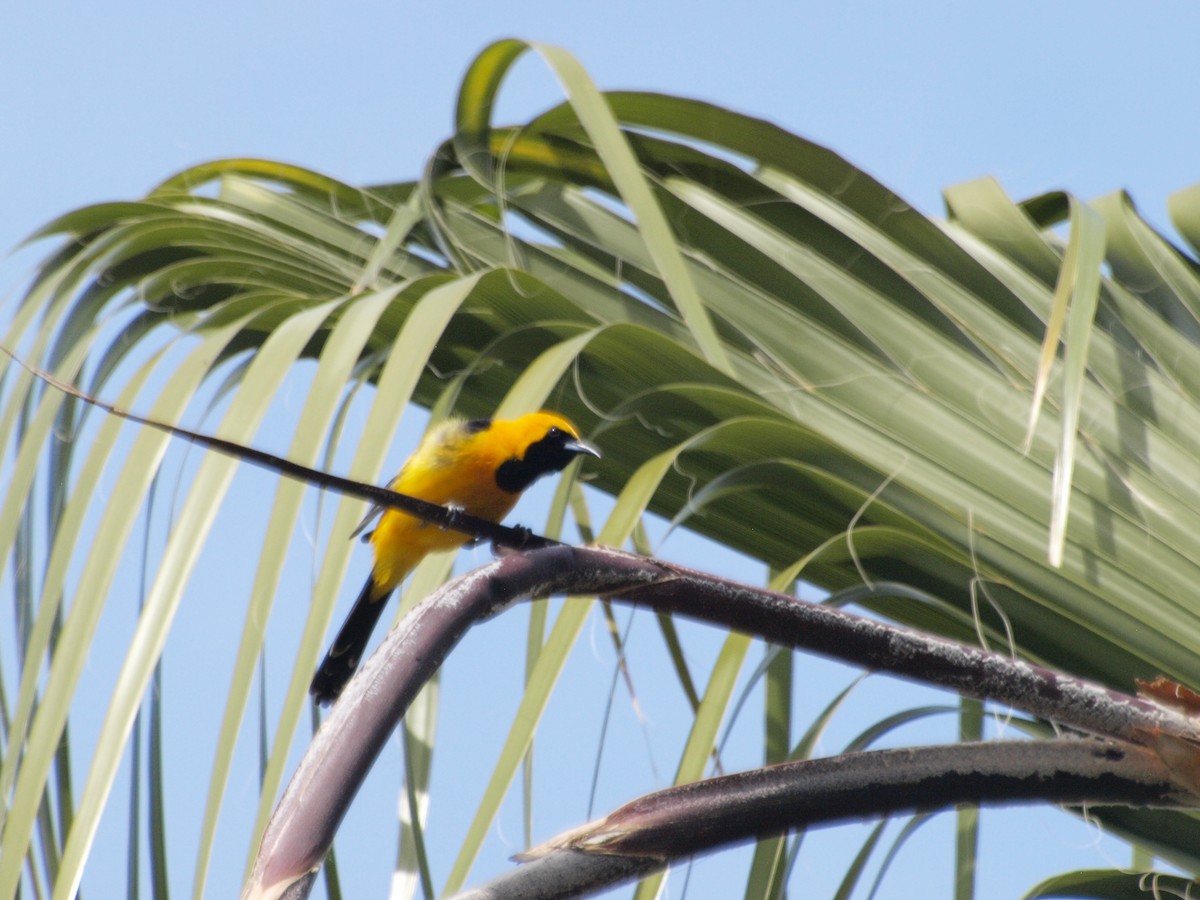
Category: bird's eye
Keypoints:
(554, 432)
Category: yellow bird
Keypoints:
(480, 466)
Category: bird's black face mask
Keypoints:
(550, 454)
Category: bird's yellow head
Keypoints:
(540, 443)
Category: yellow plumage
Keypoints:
(480, 466)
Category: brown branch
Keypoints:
(565, 873)
(445, 517)
(315, 800)
(362, 720)
(970, 671)
(695, 817)
(680, 822)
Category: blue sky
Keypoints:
(100, 102)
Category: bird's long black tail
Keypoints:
(347, 648)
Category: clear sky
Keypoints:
(102, 101)
(99, 101)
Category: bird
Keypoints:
(480, 466)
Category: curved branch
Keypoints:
(302, 828)
(679, 822)
(966, 670)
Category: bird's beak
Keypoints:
(581, 447)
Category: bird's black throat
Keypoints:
(550, 454)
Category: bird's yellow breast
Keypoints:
(455, 465)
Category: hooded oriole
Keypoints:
(480, 466)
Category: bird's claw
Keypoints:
(522, 536)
